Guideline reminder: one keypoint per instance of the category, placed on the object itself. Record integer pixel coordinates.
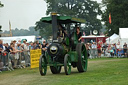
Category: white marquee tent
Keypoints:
(122, 37)
(123, 32)
(116, 40)
(9, 39)
(112, 39)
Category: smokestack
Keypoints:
(54, 26)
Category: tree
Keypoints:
(119, 15)
(23, 32)
(45, 30)
(85, 9)
(1, 5)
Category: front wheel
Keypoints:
(42, 65)
(67, 64)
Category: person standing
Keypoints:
(37, 45)
(1, 49)
(79, 34)
(125, 49)
(1, 46)
(104, 48)
(99, 49)
(93, 50)
(13, 53)
(26, 53)
(118, 48)
(44, 47)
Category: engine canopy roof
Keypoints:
(63, 19)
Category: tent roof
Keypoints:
(112, 37)
(9, 39)
(116, 40)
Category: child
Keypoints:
(120, 53)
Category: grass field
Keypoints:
(104, 71)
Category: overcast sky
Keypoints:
(22, 13)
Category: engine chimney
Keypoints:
(54, 26)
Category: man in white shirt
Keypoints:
(118, 47)
(26, 53)
(93, 50)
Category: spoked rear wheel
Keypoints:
(82, 57)
(42, 65)
(67, 64)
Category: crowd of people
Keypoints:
(108, 50)
(18, 53)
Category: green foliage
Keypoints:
(85, 9)
(23, 32)
(119, 15)
(45, 30)
(1, 5)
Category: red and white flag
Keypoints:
(110, 21)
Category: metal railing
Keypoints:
(10, 61)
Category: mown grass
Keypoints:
(104, 71)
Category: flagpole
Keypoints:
(10, 28)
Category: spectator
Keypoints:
(99, 49)
(19, 46)
(28, 57)
(34, 45)
(19, 41)
(125, 49)
(104, 48)
(31, 46)
(44, 47)
(26, 49)
(1, 46)
(4, 48)
(117, 48)
(7, 48)
(88, 49)
(120, 52)
(1, 50)
(12, 54)
(111, 51)
(14, 42)
(93, 50)
(114, 48)
(22, 47)
(37, 45)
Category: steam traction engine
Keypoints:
(65, 50)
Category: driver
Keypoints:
(62, 31)
(79, 34)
